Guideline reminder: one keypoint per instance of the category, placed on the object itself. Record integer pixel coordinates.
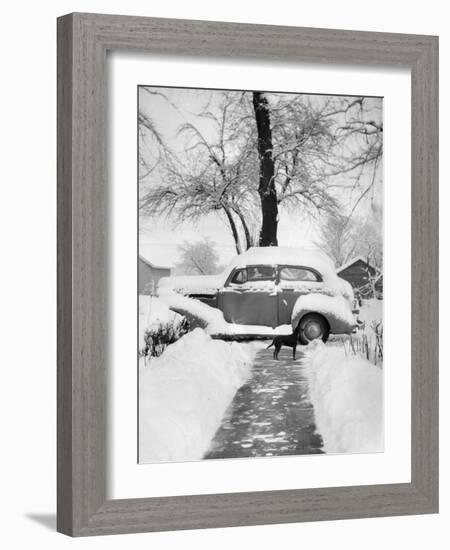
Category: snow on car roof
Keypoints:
(276, 255)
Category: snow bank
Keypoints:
(347, 394)
(184, 393)
(336, 309)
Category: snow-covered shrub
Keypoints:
(347, 394)
(158, 326)
(369, 339)
(368, 342)
(183, 397)
(378, 331)
(159, 336)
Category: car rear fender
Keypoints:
(335, 309)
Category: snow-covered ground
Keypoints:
(184, 393)
(346, 391)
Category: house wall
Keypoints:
(149, 276)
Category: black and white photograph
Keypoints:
(260, 274)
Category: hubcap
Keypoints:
(313, 330)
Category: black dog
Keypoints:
(290, 340)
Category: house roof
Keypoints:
(351, 262)
(153, 264)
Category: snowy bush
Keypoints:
(347, 394)
(369, 339)
(159, 336)
(158, 326)
(368, 342)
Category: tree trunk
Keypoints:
(233, 230)
(266, 188)
(248, 237)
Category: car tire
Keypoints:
(312, 327)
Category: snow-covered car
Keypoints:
(273, 286)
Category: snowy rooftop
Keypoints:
(156, 263)
(351, 262)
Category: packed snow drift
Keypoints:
(347, 394)
(184, 393)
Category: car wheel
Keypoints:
(312, 327)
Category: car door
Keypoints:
(249, 296)
(293, 282)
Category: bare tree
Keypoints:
(321, 148)
(343, 237)
(152, 146)
(199, 258)
(285, 151)
(215, 176)
(310, 151)
(338, 238)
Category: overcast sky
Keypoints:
(160, 237)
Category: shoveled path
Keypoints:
(271, 414)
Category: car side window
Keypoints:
(261, 273)
(240, 277)
(289, 273)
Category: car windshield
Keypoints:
(289, 273)
(239, 277)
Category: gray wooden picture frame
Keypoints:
(83, 42)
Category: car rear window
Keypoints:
(290, 273)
